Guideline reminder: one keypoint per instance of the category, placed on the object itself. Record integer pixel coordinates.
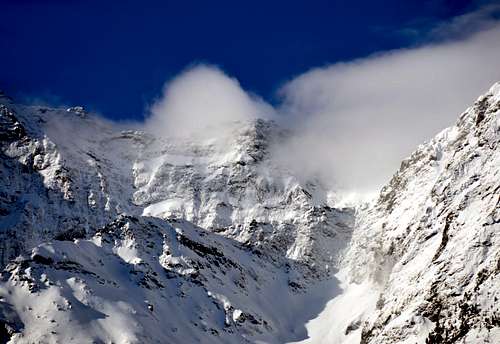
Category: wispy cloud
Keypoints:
(484, 18)
(425, 30)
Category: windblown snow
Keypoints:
(116, 235)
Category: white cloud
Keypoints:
(201, 98)
(356, 121)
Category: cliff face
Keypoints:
(116, 235)
(431, 240)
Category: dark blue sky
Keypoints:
(115, 56)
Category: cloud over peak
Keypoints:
(200, 98)
(352, 122)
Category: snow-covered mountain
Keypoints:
(70, 177)
(432, 240)
(114, 234)
(424, 261)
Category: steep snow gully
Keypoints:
(115, 235)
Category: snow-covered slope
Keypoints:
(146, 281)
(115, 235)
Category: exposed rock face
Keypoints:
(110, 235)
